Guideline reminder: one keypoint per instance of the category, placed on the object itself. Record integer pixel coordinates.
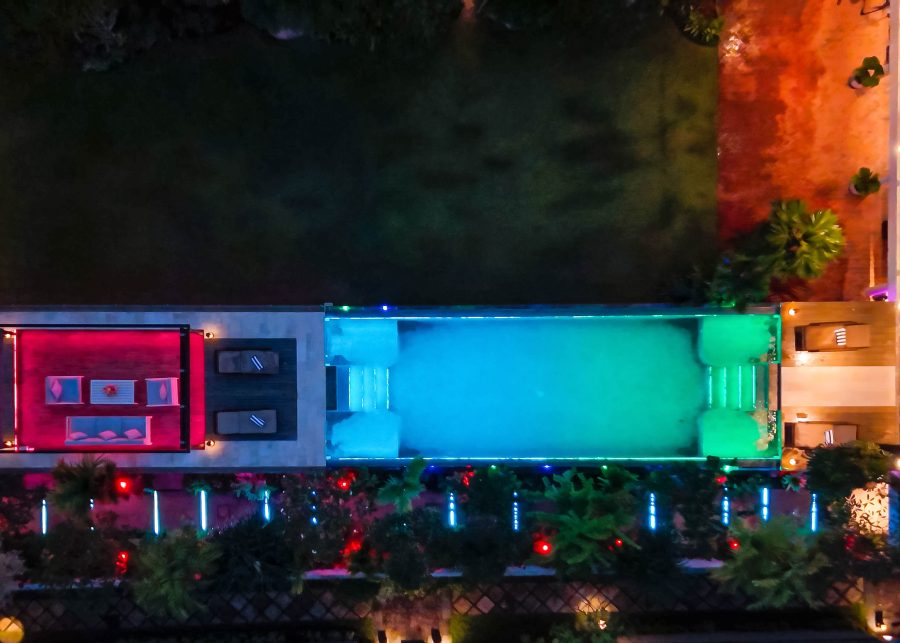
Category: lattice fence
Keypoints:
(104, 610)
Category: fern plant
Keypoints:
(75, 485)
(776, 565)
(590, 520)
(400, 491)
(171, 571)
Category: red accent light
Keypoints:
(543, 547)
(352, 547)
(123, 485)
(721, 479)
(121, 563)
(343, 484)
(619, 542)
(733, 544)
(198, 576)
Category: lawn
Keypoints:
(499, 168)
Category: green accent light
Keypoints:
(728, 468)
(345, 308)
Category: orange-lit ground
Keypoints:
(790, 126)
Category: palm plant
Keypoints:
(776, 565)
(171, 571)
(400, 491)
(804, 242)
(75, 485)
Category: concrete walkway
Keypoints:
(789, 126)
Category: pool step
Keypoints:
(368, 388)
(733, 387)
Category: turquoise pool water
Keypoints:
(561, 388)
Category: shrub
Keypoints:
(489, 492)
(693, 491)
(775, 565)
(485, 546)
(16, 506)
(704, 26)
(74, 553)
(618, 16)
(374, 24)
(255, 556)
(869, 73)
(865, 182)
(11, 570)
(834, 472)
(318, 522)
(171, 571)
(405, 547)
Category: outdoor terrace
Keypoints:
(299, 334)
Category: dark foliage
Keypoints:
(256, 556)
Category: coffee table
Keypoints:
(124, 392)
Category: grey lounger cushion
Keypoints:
(232, 422)
(248, 362)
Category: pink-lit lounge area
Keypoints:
(107, 389)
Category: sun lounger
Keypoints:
(246, 422)
(837, 336)
(248, 362)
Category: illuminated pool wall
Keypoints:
(566, 385)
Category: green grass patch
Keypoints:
(498, 168)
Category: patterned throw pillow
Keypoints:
(56, 389)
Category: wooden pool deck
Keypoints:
(823, 384)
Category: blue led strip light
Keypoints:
(203, 516)
(451, 509)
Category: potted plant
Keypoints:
(864, 182)
(868, 74)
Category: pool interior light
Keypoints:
(726, 511)
(266, 509)
(764, 504)
(652, 512)
(44, 517)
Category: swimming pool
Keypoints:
(494, 386)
